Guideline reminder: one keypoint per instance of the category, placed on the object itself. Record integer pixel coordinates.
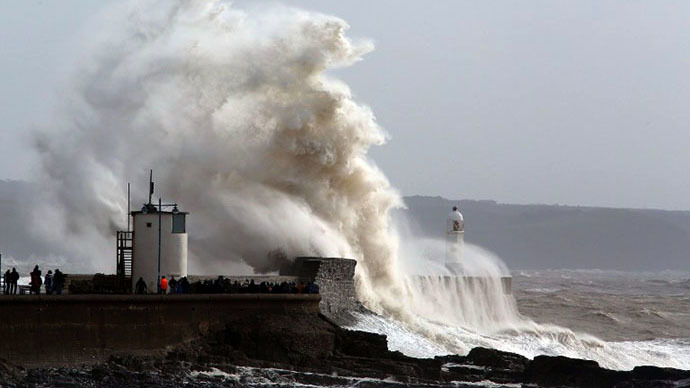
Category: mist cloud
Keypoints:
(235, 113)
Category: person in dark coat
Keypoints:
(184, 285)
(48, 281)
(14, 278)
(36, 281)
(7, 278)
(140, 287)
(58, 282)
(173, 285)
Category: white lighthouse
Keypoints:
(455, 237)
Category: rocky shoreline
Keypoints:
(273, 350)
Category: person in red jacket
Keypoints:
(164, 285)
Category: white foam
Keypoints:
(251, 376)
(450, 311)
(439, 339)
(484, 383)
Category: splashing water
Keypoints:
(235, 112)
(454, 311)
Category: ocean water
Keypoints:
(619, 319)
(613, 305)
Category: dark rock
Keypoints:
(359, 343)
(647, 384)
(548, 371)
(497, 359)
(484, 364)
(655, 373)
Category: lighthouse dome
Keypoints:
(455, 223)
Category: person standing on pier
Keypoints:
(14, 278)
(58, 282)
(173, 285)
(6, 278)
(48, 281)
(140, 287)
(164, 285)
(36, 281)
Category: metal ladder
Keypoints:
(125, 242)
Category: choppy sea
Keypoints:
(620, 319)
(612, 305)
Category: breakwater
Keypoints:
(69, 329)
(253, 340)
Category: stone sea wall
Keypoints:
(335, 278)
(69, 329)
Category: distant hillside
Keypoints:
(16, 241)
(548, 236)
(524, 236)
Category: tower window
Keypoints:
(178, 223)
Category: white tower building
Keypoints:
(166, 240)
(455, 236)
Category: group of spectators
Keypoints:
(225, 286)
(166, 286)
(222, 285)
(54, 283)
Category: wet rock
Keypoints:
(497, 359)
(561, 371)
(484, 364)
(359, 343)
(659, 374)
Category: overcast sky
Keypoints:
(568, 102)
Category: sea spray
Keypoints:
(468, 292)
(234, 112)
(450, 311)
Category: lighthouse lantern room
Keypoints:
(455, 237)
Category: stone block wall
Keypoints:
(335, 278)
(66, 329)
